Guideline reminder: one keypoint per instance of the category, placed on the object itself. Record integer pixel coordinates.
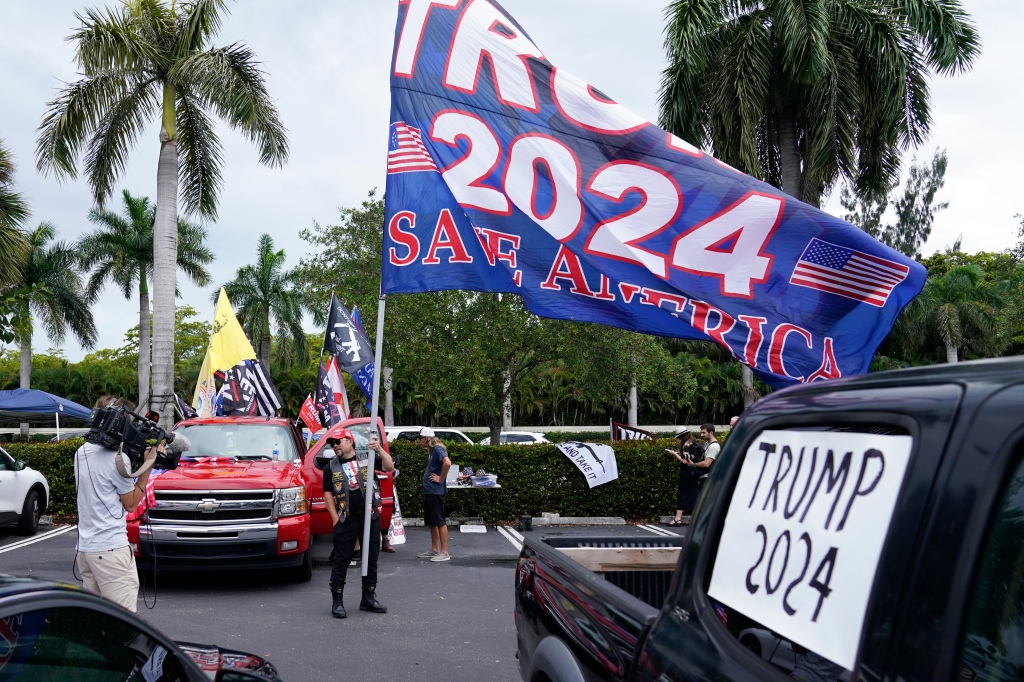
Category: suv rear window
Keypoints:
(240, 441)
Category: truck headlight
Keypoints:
(292, 501)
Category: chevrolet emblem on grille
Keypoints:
(207, 505)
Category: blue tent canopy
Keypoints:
(28, 403)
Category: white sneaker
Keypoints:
(427, 555)
(441, 557)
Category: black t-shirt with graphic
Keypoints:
(348, 473)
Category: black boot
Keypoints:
(369, 601)
(338, 603)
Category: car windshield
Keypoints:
(240, 441)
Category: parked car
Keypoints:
(246, 495)
(517, 438)
(866, 528)
(54, 631)
(24, 494)
(413, 432)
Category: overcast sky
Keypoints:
(327, 62)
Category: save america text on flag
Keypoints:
(541, 185)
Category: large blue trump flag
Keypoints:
(507, 174)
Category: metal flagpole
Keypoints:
(370, 475)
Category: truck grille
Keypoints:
(227, 515)
(206, 507)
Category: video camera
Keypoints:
(117, 428)
(694, 451)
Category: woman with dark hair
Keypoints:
(686, 490)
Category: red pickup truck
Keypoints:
(246, 495)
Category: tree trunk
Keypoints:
(265, 350)
(389, 398)
(789, 153)
(747, 379)
(632, 405)
(951, 354)
(25, 344)
(144, 349)
(165, 257)
(495, 433)
(506, 405)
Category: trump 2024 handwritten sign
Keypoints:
(804, 533)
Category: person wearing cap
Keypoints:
(344, 497)
(686, 489)
(434, 490)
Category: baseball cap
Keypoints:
(344, 433)
(427, 431)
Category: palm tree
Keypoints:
(13, 213)
(149, 59)
(266, 296)
(799, 92)
(121, 250)
(50, 288)
(961, 308)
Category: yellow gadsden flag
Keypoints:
(228, 347)
(228, 343)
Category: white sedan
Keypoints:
(24, 494)
(413, 432)
(517, 438)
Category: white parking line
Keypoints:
(508, 536)
(516, 534)
(657, 531)
(38, 538)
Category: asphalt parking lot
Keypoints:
(449, 621)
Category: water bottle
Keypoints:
(277, 453)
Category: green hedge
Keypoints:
(56, 461)
(539, 478)
(534, 479)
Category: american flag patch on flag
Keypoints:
(406, 153)
(845, 272)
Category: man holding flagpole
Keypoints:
(344, 478)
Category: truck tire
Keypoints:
(30, 513)
(303, 573)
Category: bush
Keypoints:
(56, 461)
(539, 478)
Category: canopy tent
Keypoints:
(26, 404)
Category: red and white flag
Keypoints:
(308, 415)
(338, 388)
(406, 153)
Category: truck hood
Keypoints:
(226, 474)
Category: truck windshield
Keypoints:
(241, 441)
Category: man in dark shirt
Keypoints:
(344, 497)
(434, 490)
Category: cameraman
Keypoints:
(105, 497)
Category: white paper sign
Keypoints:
(596, 461)
(804, 532)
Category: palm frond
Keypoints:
(199, 20)
(947, 32)
(116, 135)
(200, 158)
(109, 41)
(230, 81)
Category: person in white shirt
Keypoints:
(105, 498)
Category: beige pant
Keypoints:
(111, 575)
